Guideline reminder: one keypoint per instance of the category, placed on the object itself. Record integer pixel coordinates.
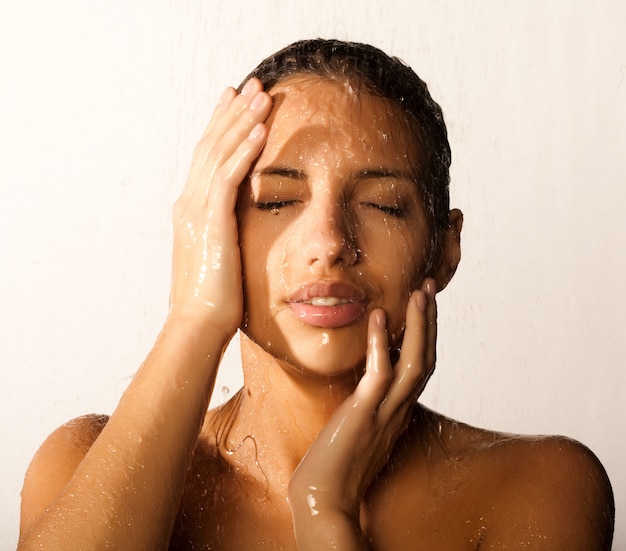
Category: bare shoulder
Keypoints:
(557, 492)
(544, 492)
(54, 464)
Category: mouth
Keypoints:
(328, 301)
(328, 293)
(328, 304)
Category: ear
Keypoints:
(449, 254)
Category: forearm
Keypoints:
(126, 491)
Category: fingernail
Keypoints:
(381, 319)
(225, 95)
(431, 287)
(257, 102)
(249, 86)
(256, 132)
(420, 299)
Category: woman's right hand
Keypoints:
(206, 278)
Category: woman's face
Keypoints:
(331, 225)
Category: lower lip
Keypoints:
(328, 316)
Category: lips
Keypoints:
(328, 304)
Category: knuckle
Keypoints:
(212, 156)
(381, 373)
(386, 375)
(204, 144)
(179, 208)
(381, 380)
(207, 152)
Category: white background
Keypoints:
(101, 104)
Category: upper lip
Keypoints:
(327, 288)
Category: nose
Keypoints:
(328, 234)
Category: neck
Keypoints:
(282, 408)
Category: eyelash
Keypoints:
(273, 205)
(388, 209)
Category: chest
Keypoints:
(232, 514)
(226, 510)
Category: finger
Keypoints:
(430, 356)
(409, 370)
(225, 99)
(232, 125)
(373, 386)
(218, 182)
(230, 160)
(233, 129)
(426, 327)
(241, 142)
(240, 113)
(234, 172)
(238, 165)
(230, 103)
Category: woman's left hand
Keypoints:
(327, 487)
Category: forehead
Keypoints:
(320, 99)
(314, 112)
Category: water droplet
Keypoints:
(312, 502)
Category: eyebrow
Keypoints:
(373, 174)
(365, 174)
(284, 171)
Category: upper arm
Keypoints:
(53, 466)
(559, 497)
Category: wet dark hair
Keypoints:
(388, 77)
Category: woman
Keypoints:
(316, 219)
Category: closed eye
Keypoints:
(274, 205)
(391, 210)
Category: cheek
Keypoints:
(254, 254)
(397, 249)
(265, 262)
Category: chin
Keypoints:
(325, 358)
(329, 365)
(316, 353)
(323, 372)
